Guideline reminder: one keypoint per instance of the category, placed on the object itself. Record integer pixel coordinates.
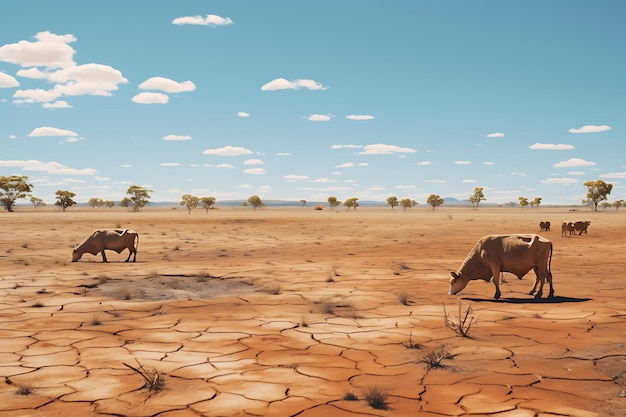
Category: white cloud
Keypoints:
(346, 146)
(169, 164)
(323, 180)
(345, 165)
(59, 104)
(614, 175)
(468, 181)
(177, 137)
(359, 117)
(563, 181)
(253, 162)
(283, 154)
(151, 98)
(51, 131)
(49, 167)
(576, 173)
(87, 79)
(495, 135)
(32, 73)
(425, 163)
(6, 81)
(35, 95)
(590, 129)
(574, 162)
(489, 163)
(293, 177)
(436, 181)
(254, 171)
(12, 137)
(228, 151)
(318, 118)
(551, 146)
(167, 85)
(224, 166)
(243, 114)
(462, 163)
(50, 50)
(283, 84)
(383, 149)
(208, 20)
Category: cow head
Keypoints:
(76, 255)
(457, 283)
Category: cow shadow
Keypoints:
(530, 300)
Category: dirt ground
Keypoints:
(303, 312)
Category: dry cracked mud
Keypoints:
(302, 312)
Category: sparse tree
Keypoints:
(511, 204)
(189, 201)
(618, 203)
(605, 205)
(65, 199)
(207, 203)
(477, 197)
(523, 201)
(392, 201)
(406, 203)
(37, 201)
(303, 203)
(13, 188)
(434, 200)
(597, 191)
(139, 196)
(351, 202)
(108, 203)
(537, 201)
(125, 202)
(333, 202)
(256, 202)
(95, 202)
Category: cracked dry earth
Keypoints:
(303, 312)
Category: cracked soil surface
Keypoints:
(303, 312)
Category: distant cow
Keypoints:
(517, 254)
(567, 229)
(111, 239)
(581, 227)
(544, 226)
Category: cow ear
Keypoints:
(454, 274)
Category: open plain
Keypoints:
(303, 312)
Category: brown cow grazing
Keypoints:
(111, 239)
(517, 254)
(581, 227)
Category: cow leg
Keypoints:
(532, 290)
(130, 252)
(495, 273)
(104, 257)
(551, 294)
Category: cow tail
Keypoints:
(137, 244)
(550, 260)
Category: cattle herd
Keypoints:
(568, 228)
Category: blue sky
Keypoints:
(304, 100)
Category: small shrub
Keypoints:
(350, 396)
(96, 320)
(37, 304)
(318, 207)
(403, 298)
(434, 357)
(466, 320)
(375, 397)
(25, 245)
(24, 389)
(203, 276)
(411, 344)
(154, 380)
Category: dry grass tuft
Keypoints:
(403, 297)
(375, 397)
(273, 288)
(434, 357)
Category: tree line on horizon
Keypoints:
(16, 187)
